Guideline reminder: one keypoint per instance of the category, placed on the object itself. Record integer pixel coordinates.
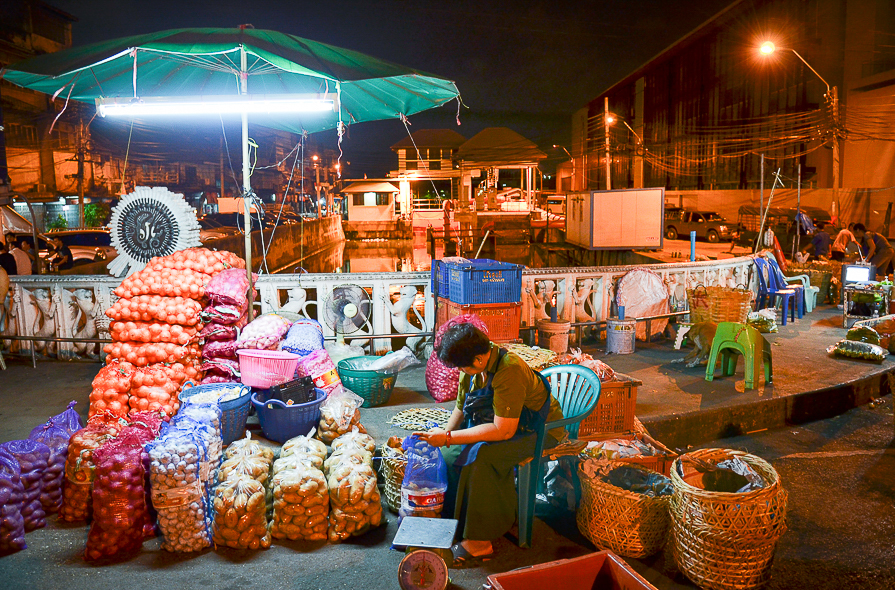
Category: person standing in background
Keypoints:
(875, 247)
(23, 261)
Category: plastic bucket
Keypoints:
(620, 336)
(280, 422)
(554, 335)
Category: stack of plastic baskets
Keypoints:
(234, 412)
(280, 422)
(374, 386)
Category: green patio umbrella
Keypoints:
(236, 68)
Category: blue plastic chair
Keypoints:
(577, 389)
(768, 291)
(798, 281)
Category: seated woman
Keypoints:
(500, 404)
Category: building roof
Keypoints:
(500, 145)
(434, 138)
(370, 187)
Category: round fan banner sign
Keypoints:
(150, 222)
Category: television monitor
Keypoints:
(858, 273)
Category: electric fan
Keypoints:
(346, 310)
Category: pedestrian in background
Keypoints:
(876, 248)
(7, 260)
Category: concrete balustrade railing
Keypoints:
(72, 307)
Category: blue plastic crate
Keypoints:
(483, 281)
(440, 270)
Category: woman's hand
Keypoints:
(436, 437)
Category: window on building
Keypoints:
(357, 199)
(435, 165)
(411, 165)
(382, 199)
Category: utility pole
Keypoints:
(81, 221)
(834, 100)
(606, 127)
(221, 196)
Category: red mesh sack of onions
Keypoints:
(149, 308)
(111, 389)
(442, 381)
(227, 315)
(219, 349)
(220, 368)
(229, 287)
(166, 282)
(32, 457)
(12, 497)
(152, 332)
(57, 440)
(79, 468)
(141, 354)
(219, 332)
(198, 259)
(119, 498)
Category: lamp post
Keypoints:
(608, 120)
(571, 159)
(767, 48)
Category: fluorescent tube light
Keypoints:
(214, 105)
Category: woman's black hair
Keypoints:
(460, 345)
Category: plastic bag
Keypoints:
(69, 420)
(57, 440)
(178, 475)
(442, 381)
(80, 469)
(337, 351)
(339, 413)
(319, 367)
(354, 499)
(355, 438)
(300, 504)
(303, 445)
(304, 337)
(249, 447)
(640, 481)
(348, 455)
(240, 514)
(32, 457)
(394, 362)
(229, 287)
(264, 332)
(119, 497)
(643, 293)
(426, 468)
(12, 499)
(254, 467)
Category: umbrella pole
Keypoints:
(246, 183)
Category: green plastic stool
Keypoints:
(732, 340)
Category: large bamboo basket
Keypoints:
(725, 541)
(719, 304)
(630, 524)
(393, 465)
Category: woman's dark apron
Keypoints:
(478, 408)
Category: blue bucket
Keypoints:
(280, 422)
(234, 412)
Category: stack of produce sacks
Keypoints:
(241, 496)
(226, 314)
(300, 494)
(56, 434)
(354, 498)
(32, 458)
(155, 327)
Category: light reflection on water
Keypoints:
(403, 256)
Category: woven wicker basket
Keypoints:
(393, 466)
(719, 304)
(630, 524)
(726, 541)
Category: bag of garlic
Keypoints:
(178, 472)
(300, 504)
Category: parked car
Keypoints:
(212, 230)
(708, 225)
(556, 204)
(86, 245)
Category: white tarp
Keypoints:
(13, 223)
(644, 294)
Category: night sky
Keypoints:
(526, 65)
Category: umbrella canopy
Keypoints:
(190, 62)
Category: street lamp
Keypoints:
(608, 120)
(767, 48)
(571, 159)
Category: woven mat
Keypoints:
(420, 418)
(536, 358)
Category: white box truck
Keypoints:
(625, 219)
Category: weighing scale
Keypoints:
(428, 544)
